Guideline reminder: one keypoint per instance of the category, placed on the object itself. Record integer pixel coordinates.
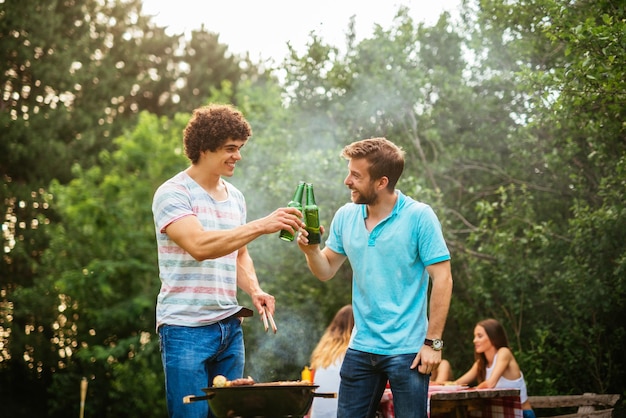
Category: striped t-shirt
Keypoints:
(195, 293)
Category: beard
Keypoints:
(364, 197)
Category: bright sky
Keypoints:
(263, 27)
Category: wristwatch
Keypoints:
(435, 344)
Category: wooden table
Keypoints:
(483, 403)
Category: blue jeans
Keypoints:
(363, 380)
(193, 356)
(528, 413)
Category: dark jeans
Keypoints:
(363, 380)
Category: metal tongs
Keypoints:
(267, 315)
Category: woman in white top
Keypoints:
(495, 365)
(326, 360)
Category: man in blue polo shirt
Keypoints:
(395, 246)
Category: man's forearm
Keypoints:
(320, 265)
(440, 297)
(246, 274)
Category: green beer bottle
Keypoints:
(296, 202)
(311, 216)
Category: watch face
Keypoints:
(436, 345)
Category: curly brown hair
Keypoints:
(211, 126)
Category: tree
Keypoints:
(508, 145)
(75, 75)
(91, 311)
(561, 207)
(100, 278)
(513, 130)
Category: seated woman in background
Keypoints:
(326, 360)
(495, 365)
(441, 374)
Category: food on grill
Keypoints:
(244, 381)
(220, 381)
(285, 383)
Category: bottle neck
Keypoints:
(310, 196)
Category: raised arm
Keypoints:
(189, 234)
(322, 263)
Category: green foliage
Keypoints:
(75, 75)
(569, 278)
(513, 125)
(100, 273)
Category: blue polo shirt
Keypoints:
(389, 281)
